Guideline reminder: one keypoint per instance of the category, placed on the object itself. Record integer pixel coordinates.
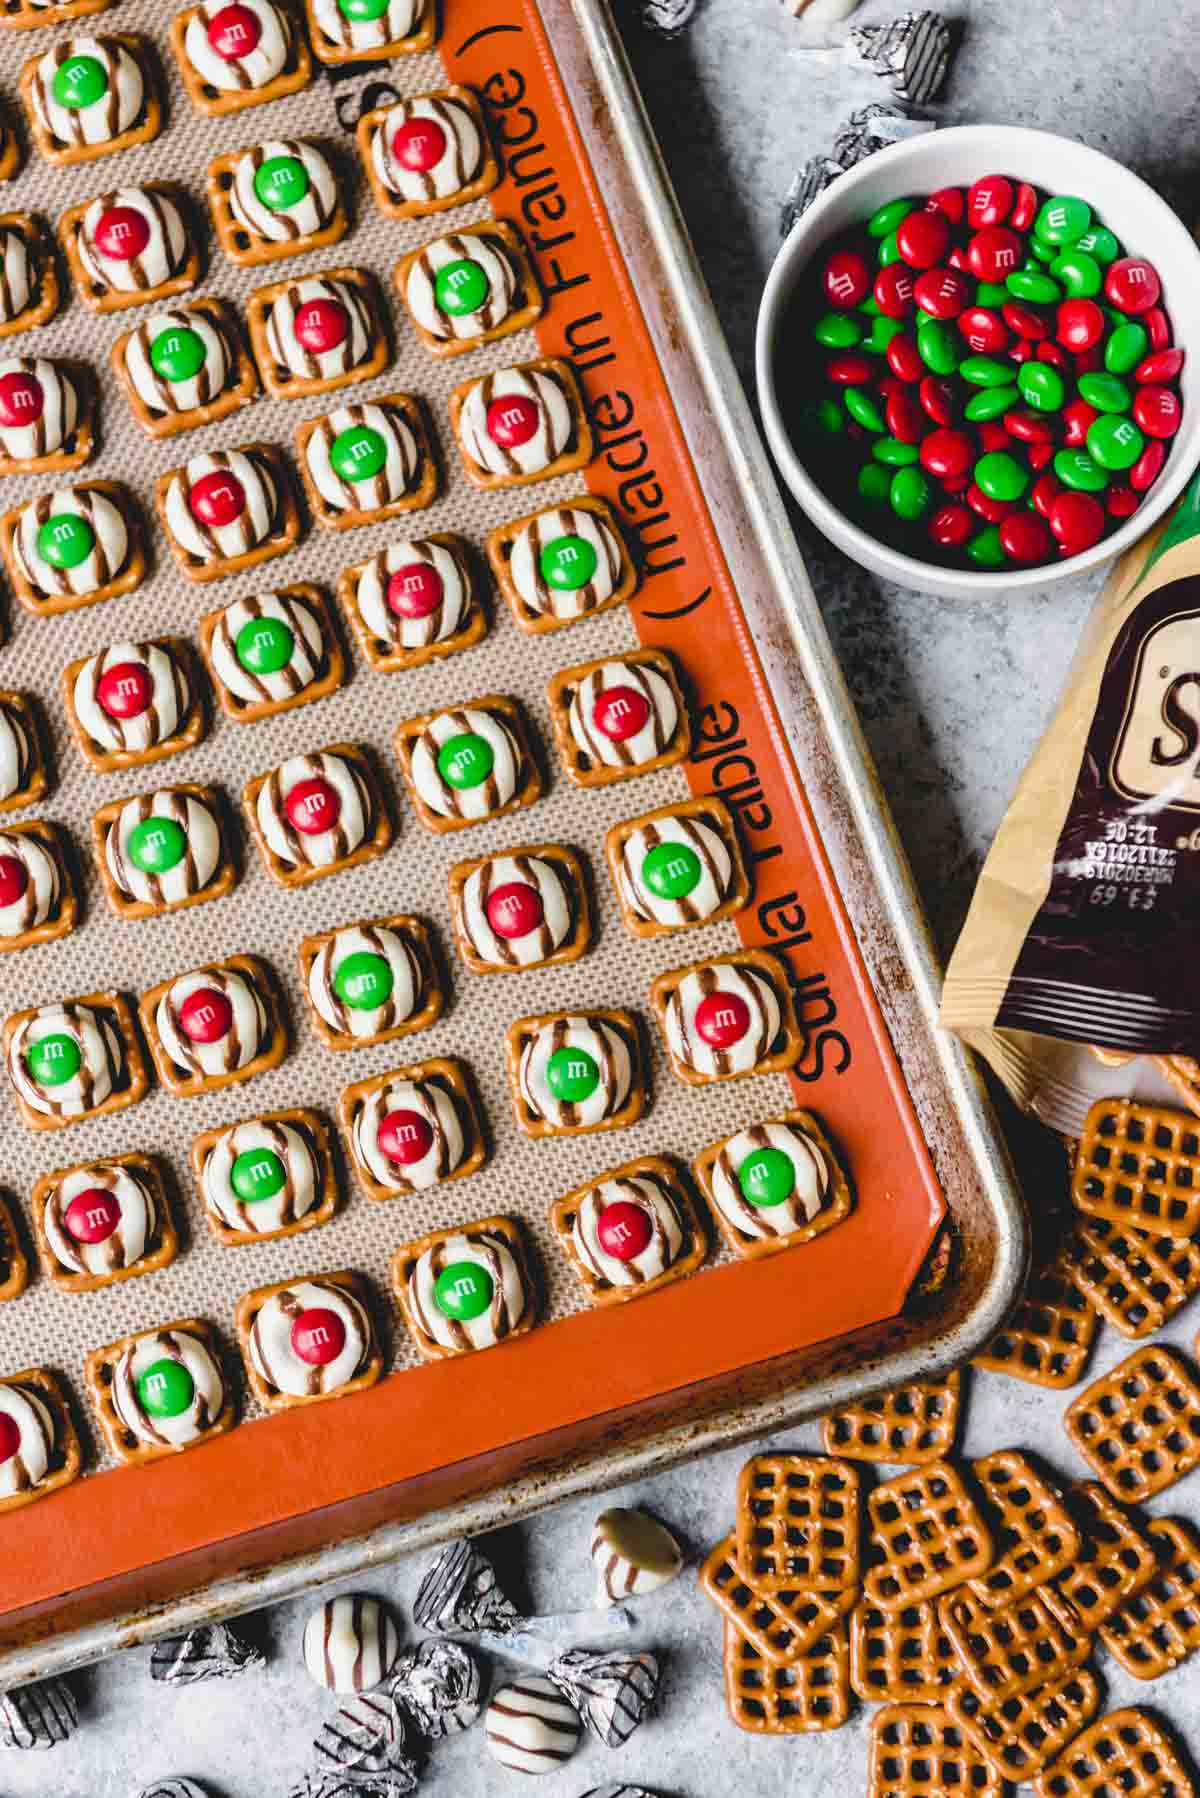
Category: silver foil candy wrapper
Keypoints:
(460, 1595)
(665, 18)
(612, 1689)
(38, 1717)
(174, 1788)
(354, 1785)
(911, 52)
(869, 129)
(616, 1790)
(369, 1734)
(439, 1685)
(212, 1651)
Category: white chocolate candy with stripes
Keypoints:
(459, 163)
(350, 1643)
(250, 68)
(100, 1060)
(633, 1555)
(115, 109)
(15, 752)
(348, 799)
(496, 265)
(650, 1195)
(309, 214)
(398, 19)
(136, 1223)
(486, 796)
(254, 686)
(540, 877)
(160, 396)
(507, 1304)
(530, 1726)
(603, 1046)
(287, 347)
(271, 1349)
(525, 573)
(295, 1198)
(29, 1463)
(710, 891)
(16, 275)
(43, 884)
(407, 989)
(448, 616)
(104, 561)
(170, 697)
(160, 258)
(433, 1105)
(549, 439)
(752, 999)
(45, 408)
(239, 1044)
(398, 475)
(207, 1397)
(655, 735)
(249, 471)
(194, 869)
(811, 1181)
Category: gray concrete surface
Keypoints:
(953, 697)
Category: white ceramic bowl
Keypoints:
(1145, 225)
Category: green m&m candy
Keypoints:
(572, 1075)
(991, 293)
(166, 1388)
(939, 346)
(281, 182)
(363, 981)
(177, 354)
(839, 331)
(66, 540)
(894, 453)
(156, 845)
(1075, 468)
(54, 1059)
(767, 1177)
(985, 548)
(461, 287)
(568, 563)
(911, 493)
(465, 760)
(875, 484)
(1033, 285)
(1115, 443)
(265, 645)
(257, 1174)
(1042, 252)
(884, 222)
(1063, 219)
(1100, 243)
(1078, 272)
(985, 371)
(673, 870)
(1042, 387)
(881, 333)
(990, 402)
(1001, 476)
(1107, 393)
(78, 82)
(823, 418)
(358, 454)
(864, 410)
(463, 1290)
(889, 250)
(1126, 347)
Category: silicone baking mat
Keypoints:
(577, 1365)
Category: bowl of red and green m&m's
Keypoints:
(977, 360)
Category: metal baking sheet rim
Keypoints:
(849, 805)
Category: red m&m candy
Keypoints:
(206, 1015)
(1132, 285)
(894, 290)
(847, 279)
(1080, 324)
(419, 145)
(512, 419)
(923, 238)
(233, 32)
(950, 202)
(942, 292)
(1158, 410)
(1121, 501)
(624, 1230)
(985, 330)
(906, 419)
(850, 370)
(21, 399)
(313, 806)
(415, 590)
(1077, 520)
(125, 689)
(939, 399)
(121, 233)
(217, 498)
(405, 1137)
(321, 325)
(947, 453)
(989, 201)
(1159, 365)
(92, 1215)
(951, 527)
(514, 909)
(1044, 492)
(1148, 466)
(722, 1019)
(994, 253)
(14, 879)
(10, 1436)
(318, 1336)
(1025, 537)
(904, 358)
(620, 713)
(1025, 207)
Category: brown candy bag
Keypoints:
(1084, 925)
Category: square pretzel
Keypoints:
(132, 1082)
(186, 1084)
(521, 1033)
(1136, 1281)
(918, 1751)
(63, 915)
(283, 535)
(839, 1199)
(451, 1076)
(143, 130)
(584, 769)
(1032, 1642)
(404, 1265)
(1138, 1427)
(130, 575)
(216, 102)
(799, 1523)
(392, 203)
(1116, 1562)
(269, 1395)
(189, 730)
(412, 413)
(374, 844)
(241, 384)
(95, 292)
(1048, 1339)
(99, 1371)
(782, 1052)
(567, 866)
(1183, 1073)
(317, 1138)
(900, 1657)
(45, 287)
(247, 249)
(66, 1454)
(806, 1696)
(714, 815)
(912, 1423)
(384, 654)
(431, 992)
(665, 1174)
(528, 303)
(1035, 1534)
(1125, 1752)
(75, 450)
(529, 786)
(14, 1262)
(1139, 1165)
(581, 445)
(500, 543)
(278, 379)
(423, 36)
(1159, 1627)
(22, 15)
(927, 1537)
(21, 710)
(780, 1626)
(224, 877)
(329, 676)
(162, 1246)
(1022, 1736)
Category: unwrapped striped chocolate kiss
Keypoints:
(633, 1555)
